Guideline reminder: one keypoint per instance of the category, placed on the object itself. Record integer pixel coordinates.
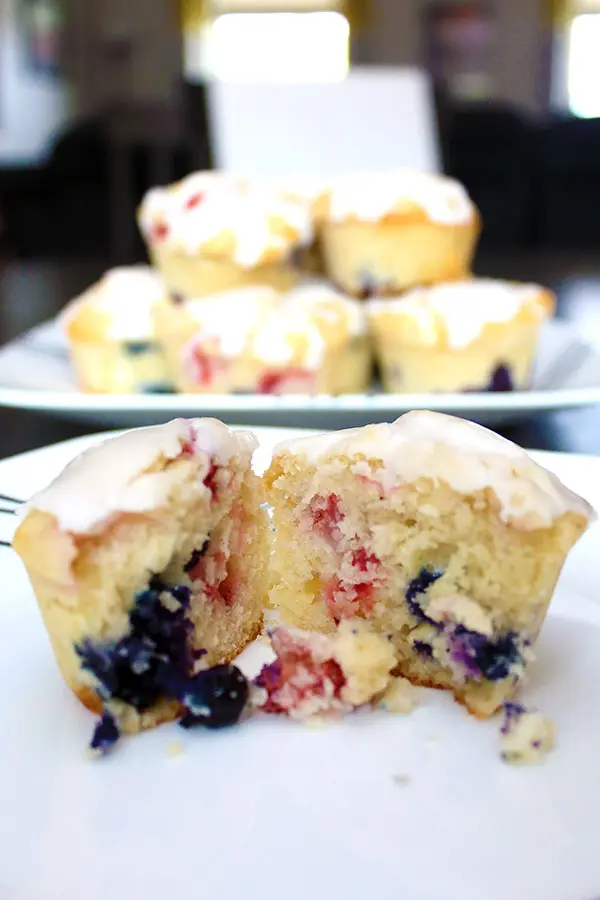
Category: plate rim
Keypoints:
(476, 402)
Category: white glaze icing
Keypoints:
(463, 308)
(322, 300)
(273, 327)
(231, 317)
(370, 197)
(466, 456)
(126, 296)
(230, 208)
(113, 476)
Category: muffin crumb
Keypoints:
(399, 697)
(526, 737)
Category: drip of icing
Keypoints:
(224, 216)
(124, 299)
(277, 328)
(462, 308)
(466, 456)
(371, 197)
(113, 476)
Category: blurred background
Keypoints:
(100, 99)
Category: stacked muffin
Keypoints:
(224, 312)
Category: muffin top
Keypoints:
(116, 308)
(397, 195)
(130, 472)
(296, 327)
(220, 217)
(467, 457)
(456, 314)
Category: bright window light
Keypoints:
(584, 66)
(266, 47)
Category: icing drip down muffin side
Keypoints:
(148, 557)
(436, 531)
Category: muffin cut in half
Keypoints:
(213, 232)
(461, 336)
(111, 334)
(148, 557)
(385, 232)
(440, 533)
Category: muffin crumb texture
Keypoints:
(526, 737)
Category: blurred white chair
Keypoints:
(377, 118)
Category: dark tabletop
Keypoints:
(31, 292)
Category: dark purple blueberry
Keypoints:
(484, 657)
(215, 698)
(138, 348)
(497, 658)
(196, 557)
(501, 380)
(158, 387)
(512, 712)
(177, 299)
(420, 585)
(106, 734)
(154, 657)
(269, 676)
(99, 661)
(423, 648)
(182, 594)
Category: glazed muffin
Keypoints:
(438, 532)
(477, 335)
(213, 232)
(138, 554)
(308, 191)
(386, 232)
(255, 340)
(110, 332)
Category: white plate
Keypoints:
(273, 808)
(35, 375)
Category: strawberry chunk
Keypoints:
(297, 677)
(344, 601)
(211, 482)
(194, 201)
(293, 380)
(160, 232)
(326, 516)
(205, 367)
(362, 560)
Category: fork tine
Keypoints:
(10, 499)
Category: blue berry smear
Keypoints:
(154, 661)
(491, 658)
(418, 586)
(477, 656)
(106, 734)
